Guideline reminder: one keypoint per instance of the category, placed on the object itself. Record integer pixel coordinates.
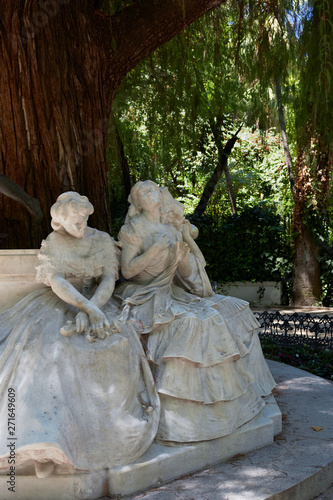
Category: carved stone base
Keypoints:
(158, 465)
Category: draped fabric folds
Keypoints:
(83, 405)
(204, 352)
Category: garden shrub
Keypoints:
(314, 360)
(250, 246)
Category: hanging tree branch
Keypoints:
(222, 166)
(137, 30)
(280, 109)
(223, 155)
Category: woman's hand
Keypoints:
(99, 323)
(182, 251)
(82, 322)
(160, 242)
(133, 262)
(186, 230)
(96, 320)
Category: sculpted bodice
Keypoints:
(80, 258)
(141, 234)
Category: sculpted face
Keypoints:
(75, 224)
(149, 196)
(70, 213)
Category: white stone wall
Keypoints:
(17, 276)
(267, 293)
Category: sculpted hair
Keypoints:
(66, 203)
(172, 211)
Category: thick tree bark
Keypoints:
(54, 111)
(61, 63)
(222, 166)
(306, 289)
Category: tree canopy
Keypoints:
(249, 64)
(61, 62)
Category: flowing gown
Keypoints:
(83, 405)
(205, 353)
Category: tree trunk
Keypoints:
(306, 289)
(222, 166)
(11, 189)
(15, 192)
(306, 274)
(54, 113)
(61, 63)
(223, 154)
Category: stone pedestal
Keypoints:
(158, 465)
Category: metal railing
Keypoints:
(297, 328)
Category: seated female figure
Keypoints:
(83, 402)
(205, 383)
(236, 312)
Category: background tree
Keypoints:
(314, 115)
(61, 62)
(254, 54)
(296, 38)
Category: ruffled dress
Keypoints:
(239, 318)
(83, 405)
(199, 348)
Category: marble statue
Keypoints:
(84, 393)
(203, 349)
(91, 375)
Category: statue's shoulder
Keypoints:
(102, 237)
(132, 231)
(51, 244)
(108, 249)
(50, 257)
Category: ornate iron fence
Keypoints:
(295, 329)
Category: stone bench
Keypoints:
(17, 276)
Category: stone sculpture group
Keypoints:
(101, 372)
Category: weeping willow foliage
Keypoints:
(166, 106)
(316, 71)
(224, 68)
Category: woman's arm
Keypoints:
(133, 263)
(69, 294)
(194, 249)
(105, 289)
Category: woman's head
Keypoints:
(70, 212)
(145, 195)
